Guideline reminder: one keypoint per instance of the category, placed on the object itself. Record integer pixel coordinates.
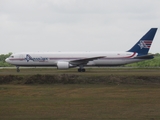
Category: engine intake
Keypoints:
(63, 65)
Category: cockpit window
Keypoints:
(11, 56)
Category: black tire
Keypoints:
(79, 70)
(83, 70)
(18, 70)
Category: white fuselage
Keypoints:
(52, 58)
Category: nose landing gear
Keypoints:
(18, 70)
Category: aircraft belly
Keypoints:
(35, 63)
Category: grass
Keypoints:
(81, 101)
(89, 71)
(110, 76)
(67, 102)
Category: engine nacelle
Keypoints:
(63, 65)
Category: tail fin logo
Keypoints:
(145, 44)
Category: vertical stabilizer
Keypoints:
(143, 45)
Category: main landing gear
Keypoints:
(18, 70)
(81, 69)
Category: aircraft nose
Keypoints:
(7, 60)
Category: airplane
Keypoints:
(66, 60)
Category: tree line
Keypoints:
(2, 60)
(155, 62)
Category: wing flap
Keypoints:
(84, 61)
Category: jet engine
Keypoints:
(63, 65)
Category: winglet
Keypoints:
(143, 45)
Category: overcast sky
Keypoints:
(76, 25)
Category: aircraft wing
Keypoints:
(145, 57)
(84, 61)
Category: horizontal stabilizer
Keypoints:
(145, 57)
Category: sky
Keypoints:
(76, 25)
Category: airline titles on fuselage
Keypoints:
(39, 59)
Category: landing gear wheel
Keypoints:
(18, 70)
(81, 70)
